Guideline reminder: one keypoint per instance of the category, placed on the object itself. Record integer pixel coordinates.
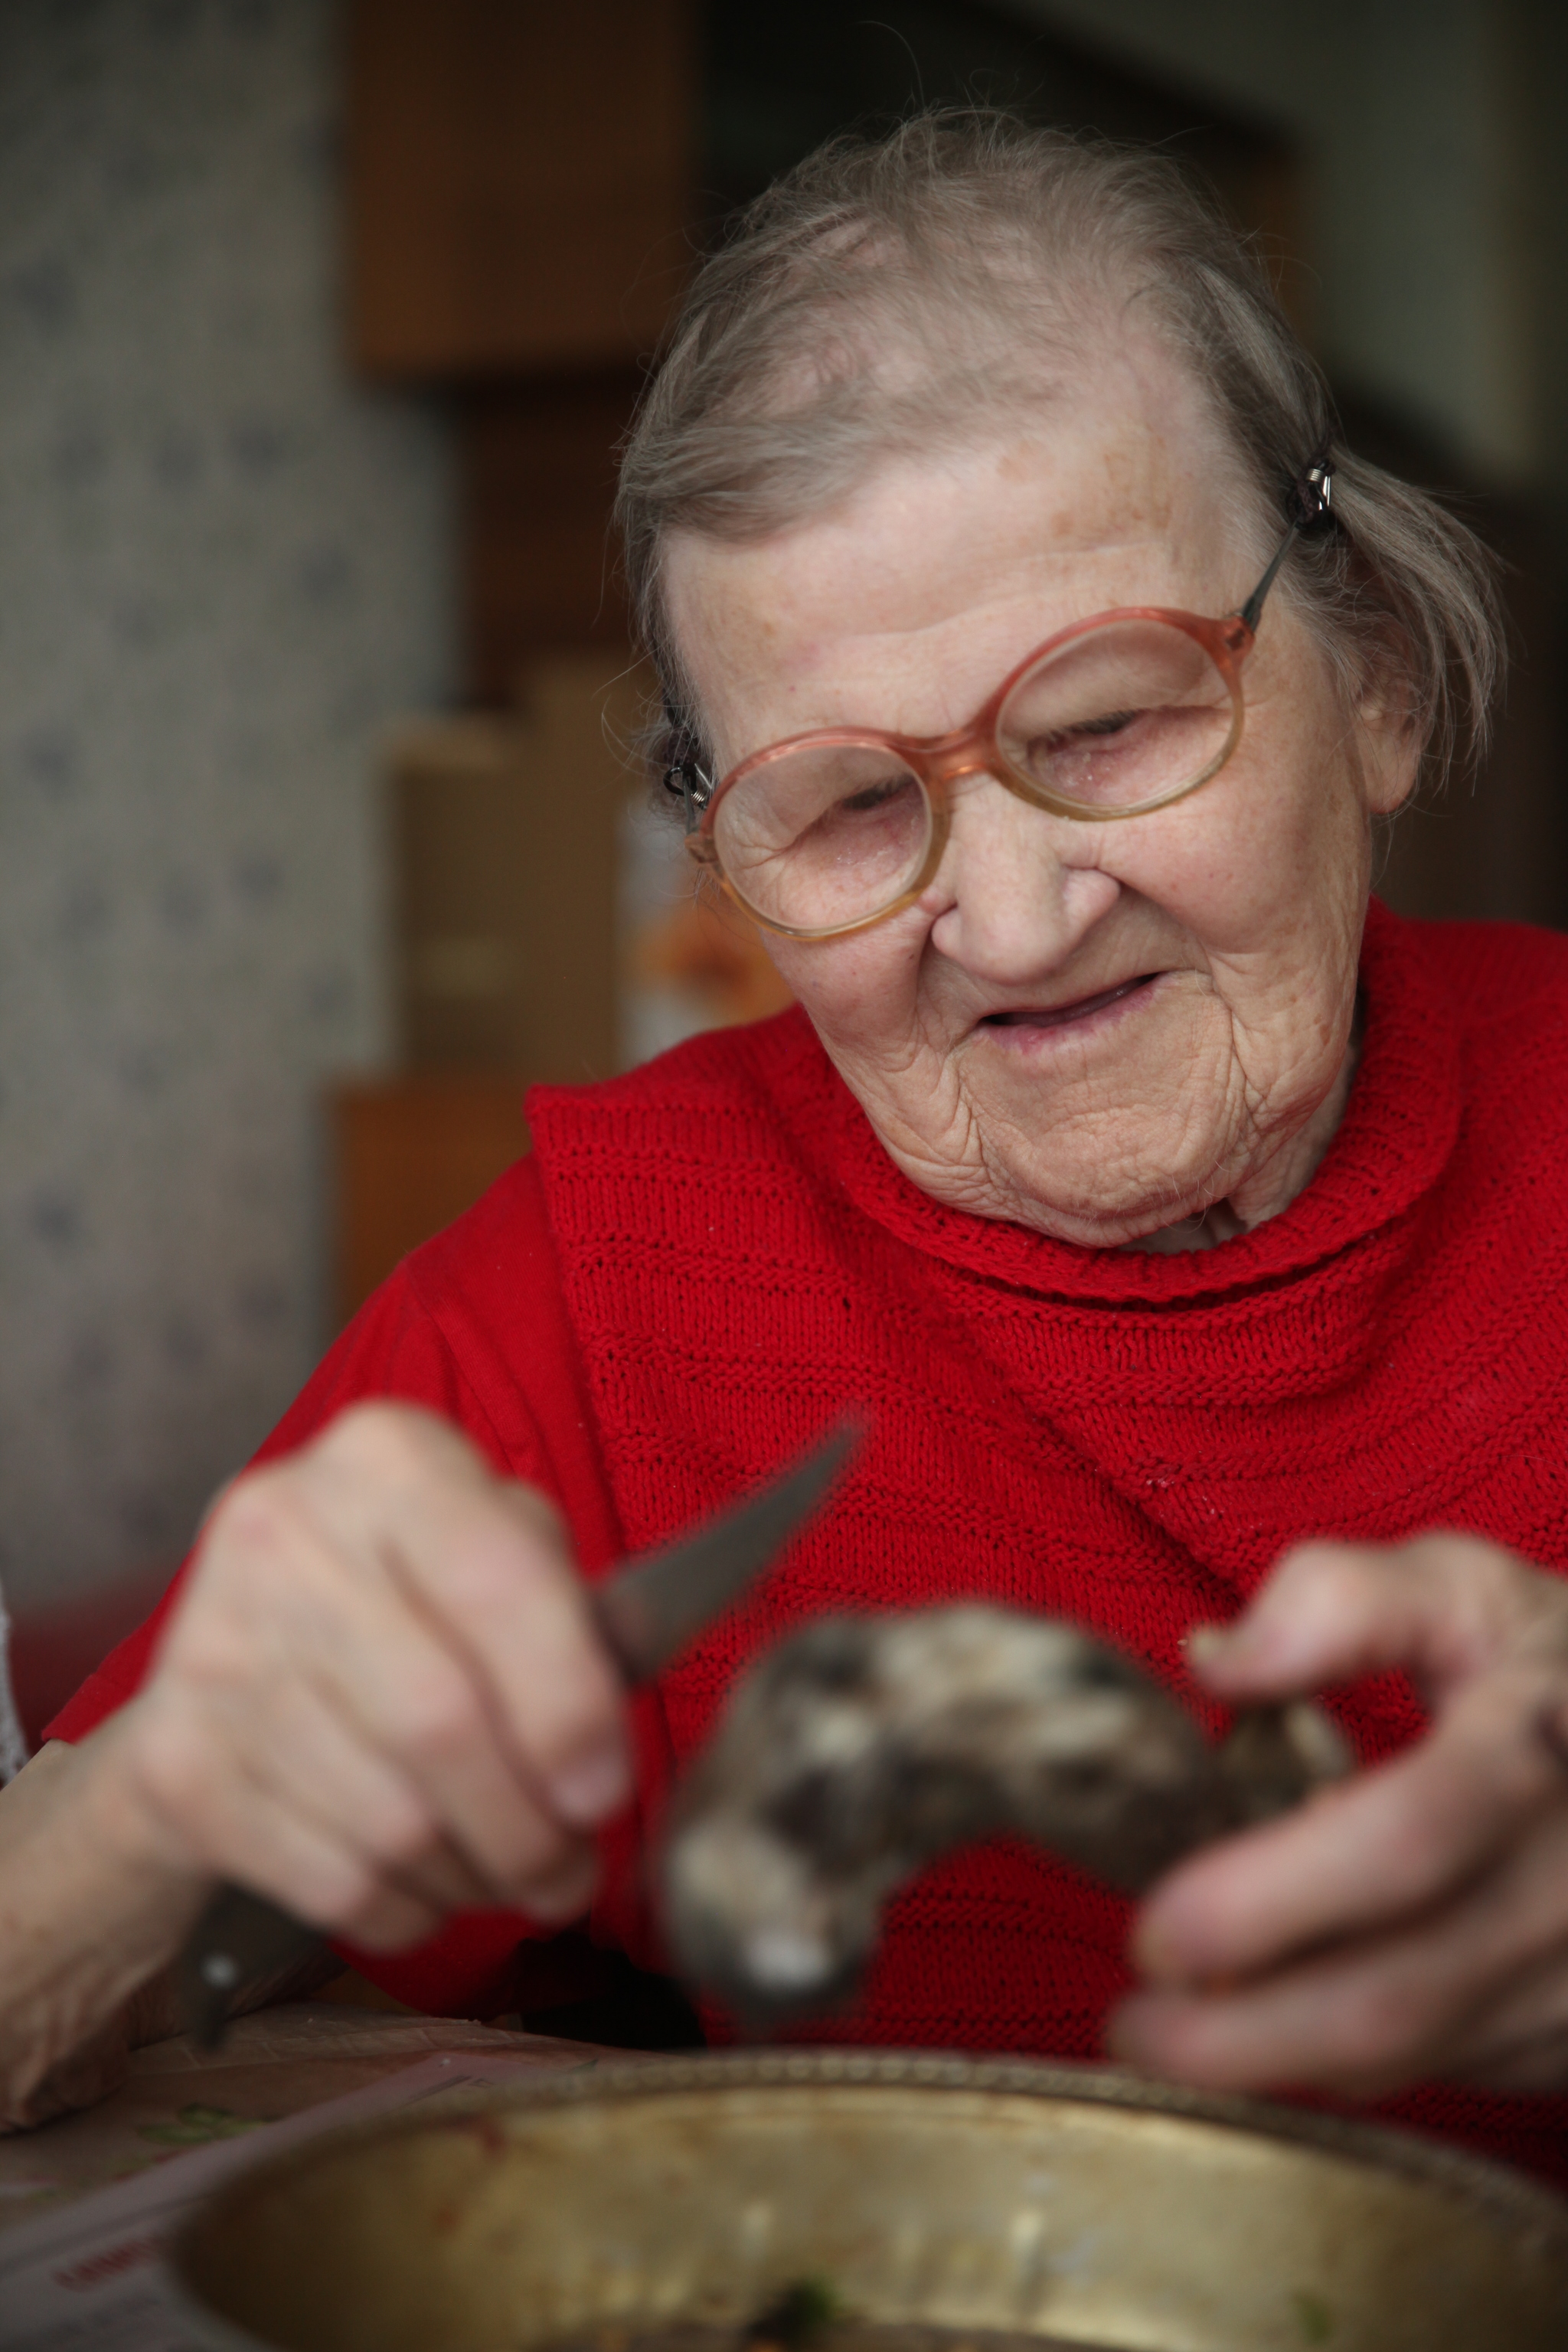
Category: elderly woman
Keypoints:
(1177, 1213)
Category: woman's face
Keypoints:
(1096, 1030)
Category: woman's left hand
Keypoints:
(1412, 1921)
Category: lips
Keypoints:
(1059, 1015)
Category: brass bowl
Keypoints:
(973, 2194)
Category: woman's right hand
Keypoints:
(381, 1699)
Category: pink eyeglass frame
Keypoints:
(938, 760)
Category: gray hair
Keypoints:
(891, 297)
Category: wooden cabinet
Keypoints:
(505, 831)
(541, 565)
(520, 182)
(411, 1153)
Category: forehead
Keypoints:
(922, 587)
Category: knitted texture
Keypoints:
(1126, 1439)
(708, 1259)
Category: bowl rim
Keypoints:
(1534, 2215)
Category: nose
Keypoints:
(1017, 888)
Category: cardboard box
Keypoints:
(505, 833)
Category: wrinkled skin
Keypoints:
(1221, 1078)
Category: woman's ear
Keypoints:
(1390, 739)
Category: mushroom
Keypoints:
(861, 1747)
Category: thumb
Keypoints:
(1330, 1611)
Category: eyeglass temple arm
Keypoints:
(1313, 494)
(1251, 611)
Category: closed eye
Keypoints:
(1113, 723)
(873, 795)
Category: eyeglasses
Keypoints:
(1128, 711)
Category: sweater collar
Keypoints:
(1392, 1146)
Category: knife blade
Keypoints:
(646, 1612)
(651, 1608)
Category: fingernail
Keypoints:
(1206, 1642)
(1154, 1955)
(587, 1791)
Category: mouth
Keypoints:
(1063, 1016)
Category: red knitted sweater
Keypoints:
(704, 1260)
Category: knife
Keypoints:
(645, 1612)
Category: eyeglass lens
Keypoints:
(1121, 718)
(824, 836)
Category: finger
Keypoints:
(390, 1921)
(1520, 2041)
(488, 1562)
(217, 1812)
(385, 1882)
(1443, 1607)
(421, 1714)
(522, 1618)
(317, 1768)
(1362, 2025)
(1365, 1853)
(1517, 2038)
(304, 1612)
(1463, 1988)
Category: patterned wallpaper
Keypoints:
(224, 569)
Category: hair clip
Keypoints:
(682, 773)
(1310, 498)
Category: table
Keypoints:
(272, 2064)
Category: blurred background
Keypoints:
(319, 837)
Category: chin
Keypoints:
(1093, 1217)
(1112, 1156)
